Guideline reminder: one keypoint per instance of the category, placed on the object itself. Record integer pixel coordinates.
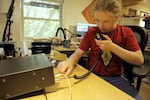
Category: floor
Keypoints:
(145, 91)
(145, 86)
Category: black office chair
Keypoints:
(132, 71)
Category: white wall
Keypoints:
(72, 11)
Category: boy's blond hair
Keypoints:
(112, 6)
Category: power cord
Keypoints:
(69, 84)
(44, 92)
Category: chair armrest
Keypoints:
(140, 71)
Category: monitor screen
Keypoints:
(83, 27)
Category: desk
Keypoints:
(61, 48)
(91, 88)
(67, 51)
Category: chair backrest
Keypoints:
(142, 38)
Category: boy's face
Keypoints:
(105, 21)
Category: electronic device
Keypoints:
(9, 48)
(24, 75)
(41, 47)
(99, 36)
(82, 28)
(65, 42)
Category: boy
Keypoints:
(119, 45)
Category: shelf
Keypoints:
(133, 18)
(138, 17)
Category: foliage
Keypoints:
(41, 20)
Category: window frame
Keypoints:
(61, 2)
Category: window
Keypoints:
(42, 18)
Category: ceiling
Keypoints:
(126, 3)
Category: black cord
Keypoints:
(72, 34)
(88, 73)
(44, 92)
(61, 29)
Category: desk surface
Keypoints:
(61, 48)
(91, 88)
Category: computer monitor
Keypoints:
(83, 27)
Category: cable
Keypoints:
(72, 34)
(61, 29)
(46, 98)
(88, 73)
(65, 29)
(98, 36)
(69, 84)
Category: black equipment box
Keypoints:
(24, 75)
(9, 48)
(41, 47)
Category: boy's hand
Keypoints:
(104, 44)
(65, 67)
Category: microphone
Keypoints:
(61, 29)
(88, 73)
